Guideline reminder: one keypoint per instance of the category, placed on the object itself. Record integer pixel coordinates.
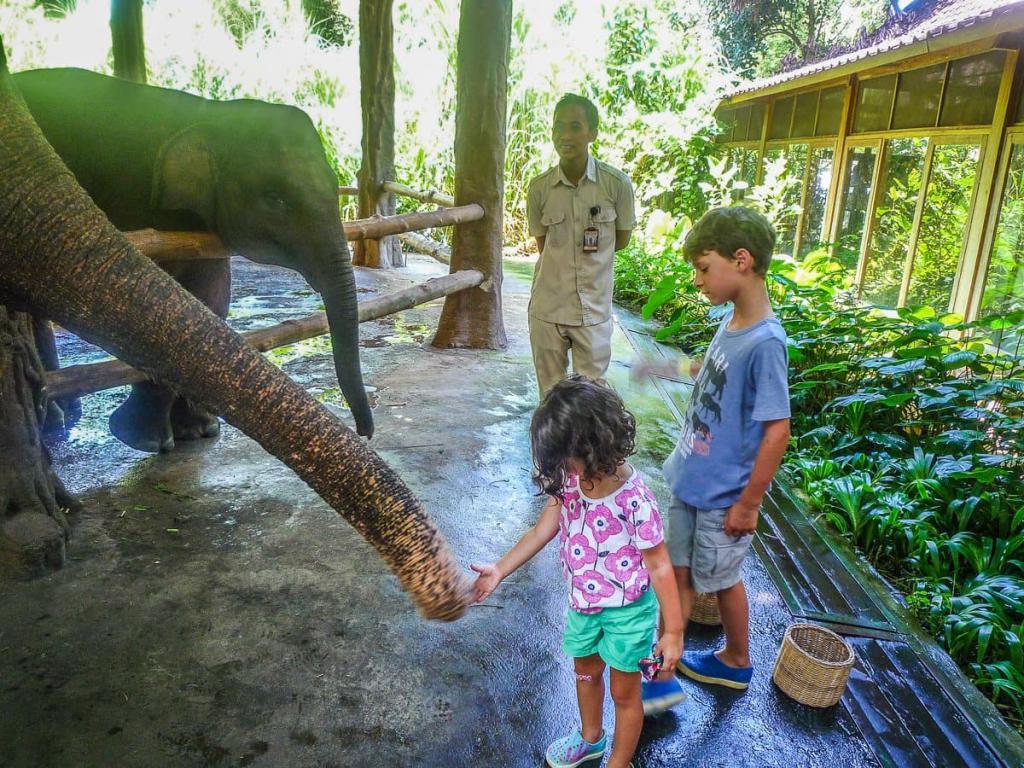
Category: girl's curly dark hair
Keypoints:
(579, 419)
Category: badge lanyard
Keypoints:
(591, 234)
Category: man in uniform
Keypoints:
(581, 213)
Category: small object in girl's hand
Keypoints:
(650, 666)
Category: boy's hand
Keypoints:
(741, 519)
(670, 645)
(488, 580)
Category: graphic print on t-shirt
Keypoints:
(705, 409)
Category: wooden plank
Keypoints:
(360, 229)
(78, 380)
(431, 197)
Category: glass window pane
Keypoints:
(860, 166)
(779, 128)
(943, 225)
(756, 122)
(745, 163)
(972, 89)
(900, 184)
(917, 97)
(1004, 284)
(784, 177)
(830, 111)
(726, 122)
(818, 182)
(742, 118)
(803, 120)
(874, 101)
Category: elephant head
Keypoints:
(60, 256)
(252, 172)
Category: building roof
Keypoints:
(987, 16)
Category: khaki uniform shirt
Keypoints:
(571, 287)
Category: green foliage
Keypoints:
(909, 441)
(758, 36)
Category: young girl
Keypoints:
(613, 552)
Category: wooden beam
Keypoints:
(78, 380)
(192, 246)
(128, 42)
(473, 318)
(178, 246)
(361, 229)
(420, 244)
(377, 95)
(435, 198)
(348, 191)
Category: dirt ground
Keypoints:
(215, 612)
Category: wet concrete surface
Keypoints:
(215, 612)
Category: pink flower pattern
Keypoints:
(601, 543)
(579, 553)
(624, 562)
(593, 586)
(602, 523)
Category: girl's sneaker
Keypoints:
(573, 750)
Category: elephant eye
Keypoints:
(274, 200)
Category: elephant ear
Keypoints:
(185, 174)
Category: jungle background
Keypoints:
(908, 425)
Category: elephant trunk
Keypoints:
(60, 256)
(338, 288)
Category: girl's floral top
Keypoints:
(600, 542)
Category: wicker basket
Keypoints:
(813, 665)
(705, 609)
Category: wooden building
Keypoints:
(906, 156)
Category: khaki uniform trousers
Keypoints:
(591, 347)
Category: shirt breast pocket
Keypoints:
(604, 220)
(557, 229)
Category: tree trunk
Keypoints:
(129, 44)
(377, 95)
(473, 318)
(33, 528)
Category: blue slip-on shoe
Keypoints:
(660, 695)
(572, 750)
(708, 668)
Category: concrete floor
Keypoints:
(215, 612)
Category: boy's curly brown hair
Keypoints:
(584, 420)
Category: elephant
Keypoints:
(60, 257)
(251, 172)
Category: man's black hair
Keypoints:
(593, 119)
(726, 230)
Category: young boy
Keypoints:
(581, 213)
(734, 436)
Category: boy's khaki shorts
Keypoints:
(697, 540)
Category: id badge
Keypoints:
(590, 235)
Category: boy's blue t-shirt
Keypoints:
(742, 384)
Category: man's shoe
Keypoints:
(572, 750)
(660, 695)
(708, 668)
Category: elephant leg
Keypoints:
(210, 282)
(143, 421)
(65, 412)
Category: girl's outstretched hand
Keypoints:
(486, 582)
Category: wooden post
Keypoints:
(129, 45)
(377, 95)
(473, 318)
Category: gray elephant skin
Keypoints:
(251, 172)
